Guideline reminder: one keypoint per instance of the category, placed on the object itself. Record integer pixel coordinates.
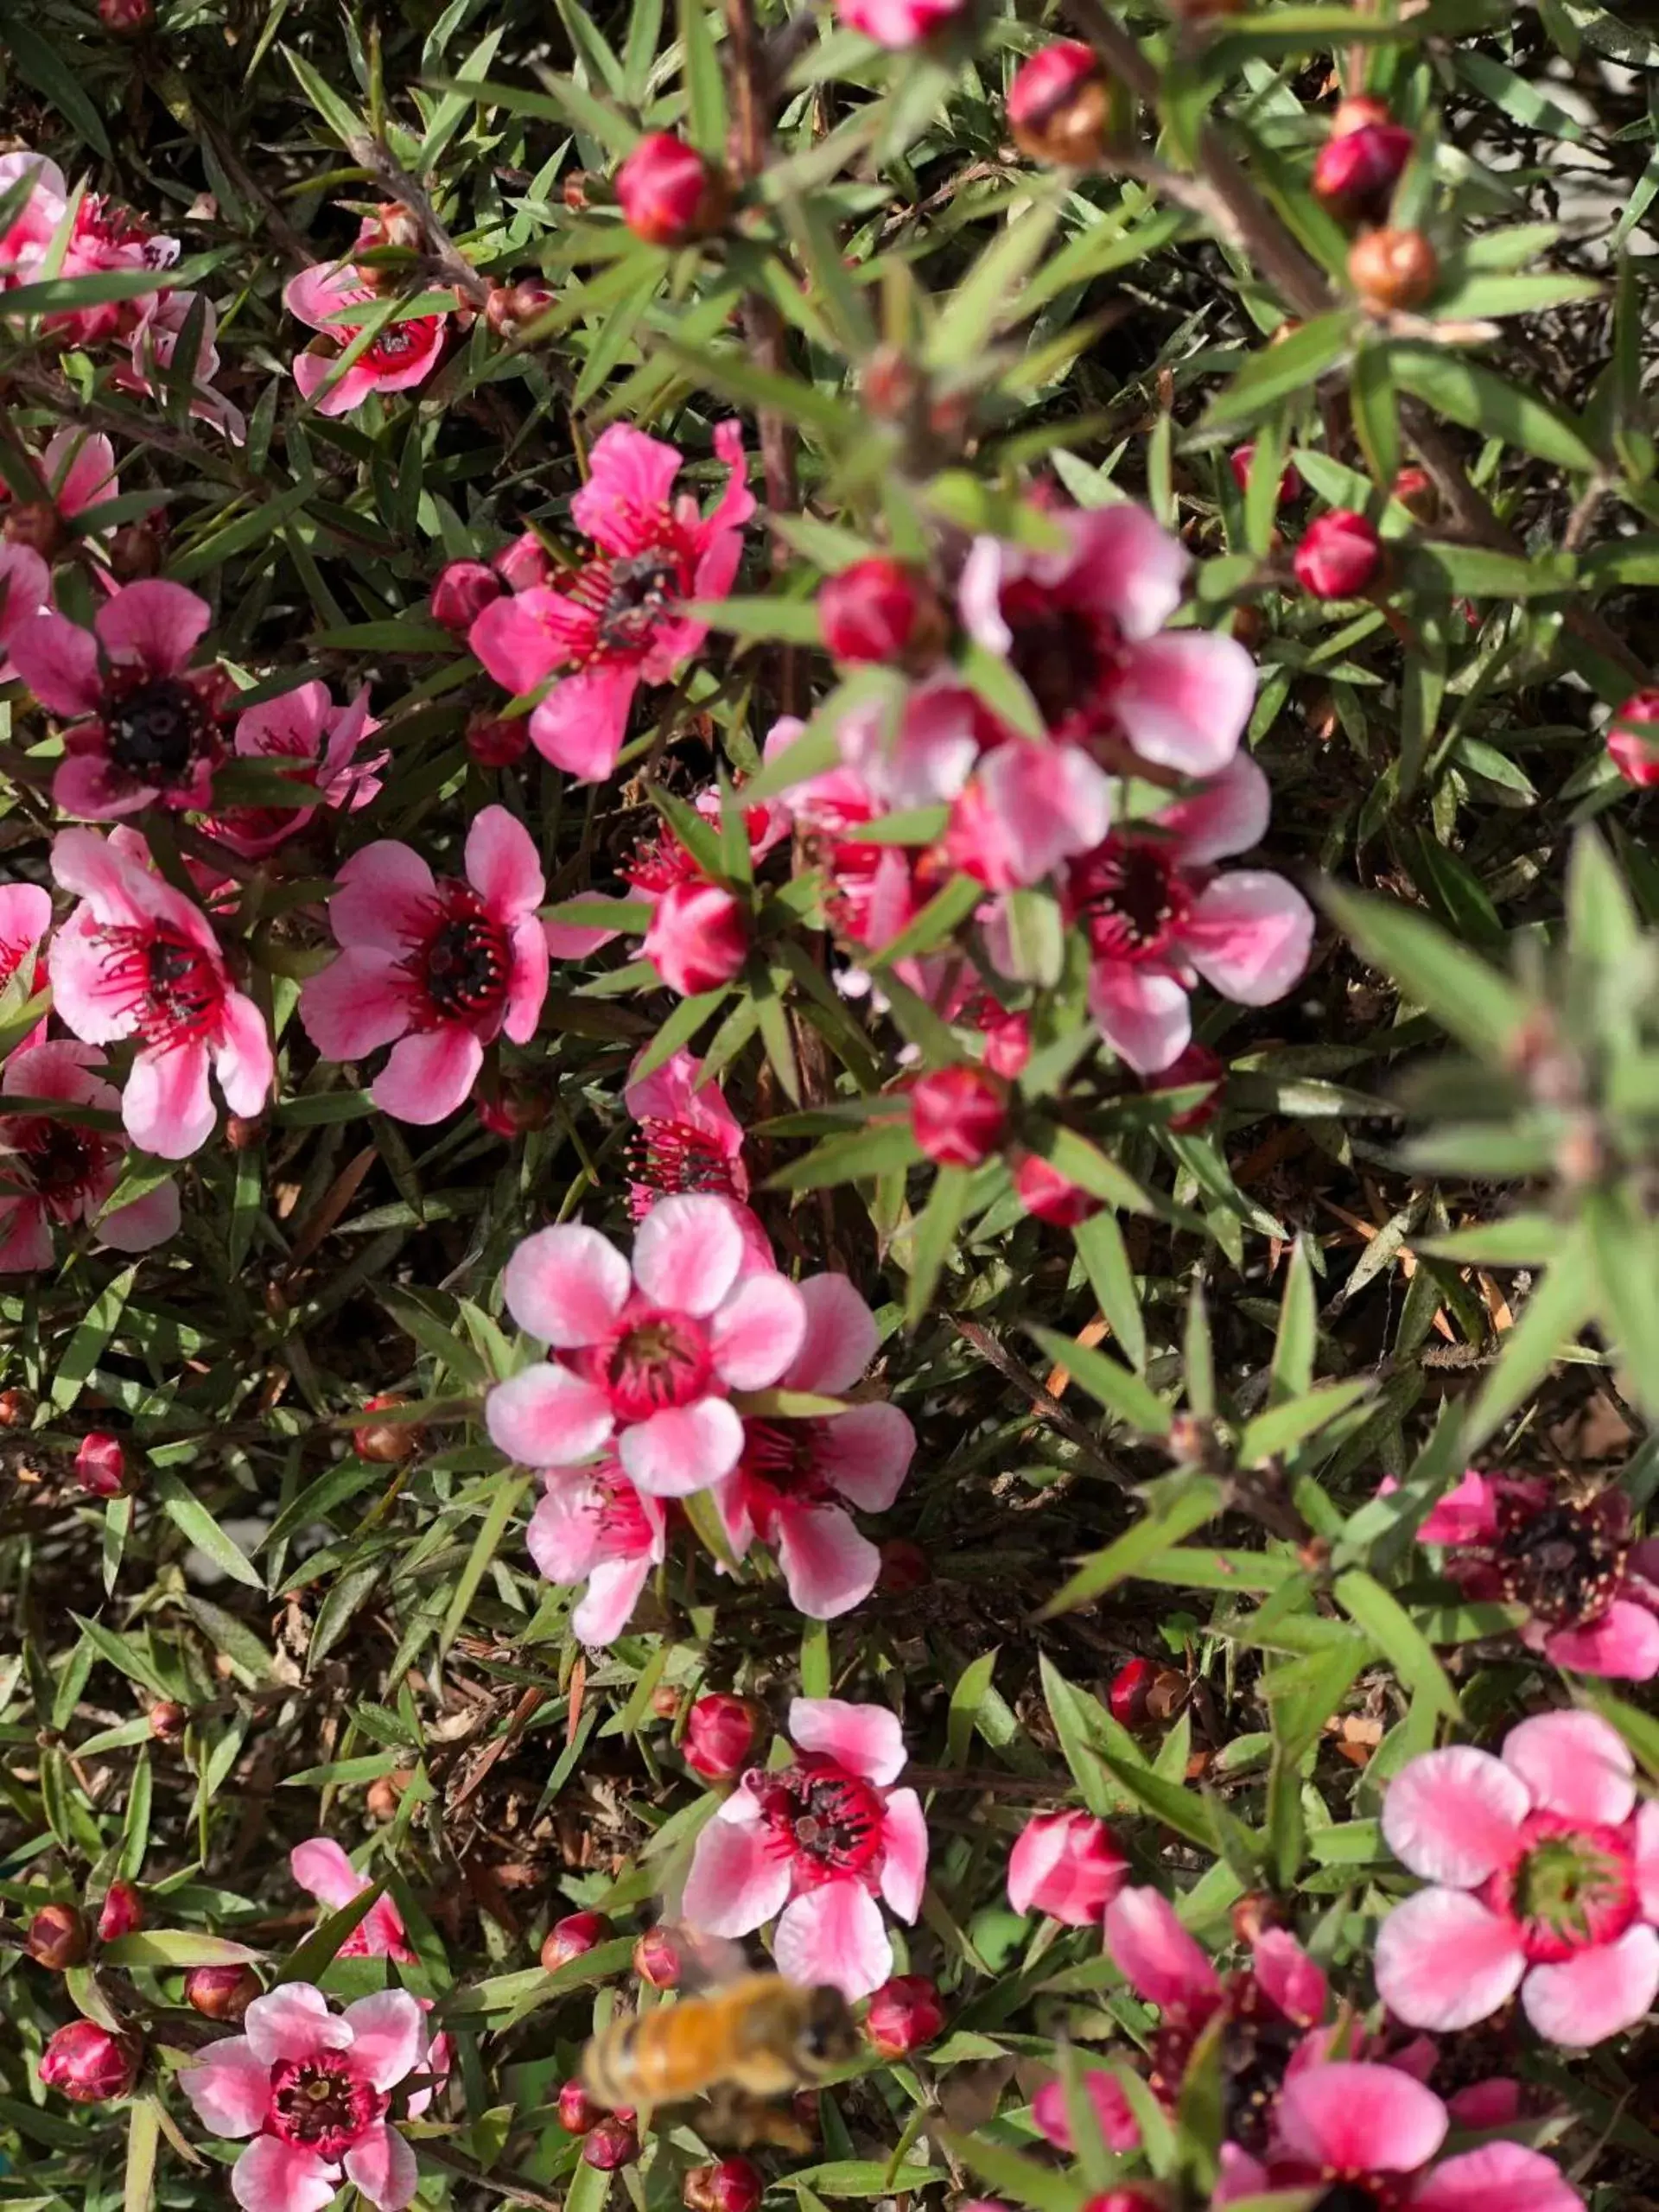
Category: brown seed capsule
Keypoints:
(1393, 269)
(36, 524)
(57, 1937)
(385, 1442)
(168, 1720)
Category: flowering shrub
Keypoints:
(829, 1016)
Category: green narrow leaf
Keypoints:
(1120, 1391)
(143, 2143)
(932, 1237)
(1391, 1628)
(1146, 1541)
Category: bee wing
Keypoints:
(707, 1961)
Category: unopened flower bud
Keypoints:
(905, 2013)
(905, 1566)
(496, 740)
(168, 1720)
(1134, 2197)
(734, 2185)
(610, 2143)
(658, 1960)
(89, 2065)
(1067, 1864)
(101, 1464)
(1051, 1196)
(1240, 460)
(222, 1993)
(668, 193)
(568, 1939)
(391, 225)
(126, 18)
(245, 1132)
(1416, 490)
(577, 2110)
(1393, 269)
(883, 610)
(523, 564)
(1339, 556)
(959, 1116)
(720, 1737)
(1636, 756)
(1356, 170)
(1061, 107)
(463, 590)
(698, 937)
(1127, 1698)
(121, 1913)
(16, 1408)
(1008, 1044)
(57, 1937)
(510, 307)
(385, 1794)
(386, 1442)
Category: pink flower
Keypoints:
(698, 939)
(959, 1116)
(1371, 2135)
(460, 594)
(1631, 751)
(646, 1356)
(896, 23)
(34, 226)
(592, 1526)
(927, 760)
(1546, 1878)
(1158, 917)
(1026, 808)
(136, 959)
(323, 1868)
(1590, 1595)
(60, 1172)
(145, 724)
(662, 864)
(1339, 555)
(1067, 1864)
(619, 621)
(1059, 104)
(25, 918)
(25, 594)
(435, 968)
(312, 2088)
(153, 345)
(691, 1140)
(1357, 169)
(1085, 627)
(815, 1843)
(316, 745)
(880, 609)
(402, 355)
(797, 1478)
(76, 471)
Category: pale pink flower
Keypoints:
(35, 225)
(25, 594)
(928, 757)
(1084, 627)
(152, 345)
(322, 1867)
(592, 1526)
(1067, 1864)
(816, 1843)
(1371, 2135)
(645, 1356)
(137, 959)
(144, 723)
(896, 23)
(1028, 808)
(315, 744)
(402, 355)
(619, 620)
(313, 2089)
(690, 1139)
(25, 918)
(1157, 916)
(78, 469)
(108, 236)
(435, 968)
(797, 1478)
(61, 1173)
(1545, 1878)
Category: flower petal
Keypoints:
(322, 1867)
(1248, 936)
(1647, 1858)
(682, 1449)
(566, 1285)
(1225, 816)
(1623, 1645)
(1149, 1945)
(1144, 1016)
(167, 1107)
(1452, 1816)
(385, 891)
(564, 1537)
(629, 478)
(545, 1416)
(515, 639)
(384, 2167)
(154, 625)
(1288, 1977)
(292, 2021)
(828, 1567)
(1119, 2129)
(1183, 699)
(580, 724)
(242, 1056)
(613, 1589)
(229, 2088)
(736, 1880)
(1575, 1763)
(1359, 2118)
(388, 2035)
(272, 2175)
(866, 1739)
(1597, 1994)
(865, 1453)
(1443, 1961)
(357, 1003)
(904, 1841)
(1498, 2174)
(58, 660)
(834, 1935)
(757, 1331)
(427, 1077)
(687, 1252)
(841, 1337)
(503, 866)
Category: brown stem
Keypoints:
(1043, 1401)
(504, 2183)
(444, 256)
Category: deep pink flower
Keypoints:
(137, 959)
(1632, 751)
(104, 237)
(797, 1478)
(698, 939)
(25, 594)
(434, 967)
(880, 609)
(959, 1116)
(403, 354)
(89, 2065)
(1590, 1595)
(1546, 1878)
(1158, 917)
(145, 724)
(617, 622)
(122, 1912)
(462, 592)
(592, 1526)
(1067, 1864)
(645, 1357)
(1049, 1196)
(524, 562)
(1240, 460)
(313, 2089)
(896, 23)
(25, 918)
(669, 194)
(322, 1867)
(101, 1466)
(315, 744)
(690, 1139)
(60, 1173)
(1084, 628)
(76, 471)
(1370, 2136)
(1339, 555)
(1357, 169)
(815, 1843)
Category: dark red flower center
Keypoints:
(1562, 1562)
(323, 2103)
(654, 1360)
(1567, 1889)
(1133, 897)
(1066, 656)
(783, 1460)
(658, 863)
(53, 1160)
(1371, 2195)
(397, 344)
(1256, 2044)
(826, 1821)
(463, 960)
(673, 1159)
(157, 730)
(175, 988)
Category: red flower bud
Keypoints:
(1357, 169)
(698, 939)
(1239, 461)
(496, 740)
(101, 1464)
(245, 1132)
(523, 564)
(57, 1937)
(883, 610)
(1636, 757)
(959, 1116)
(461, 592)
(734, 2185)
(1126, 1697)
(610, 2143)
(1196, 1064)
(668, 193)
(905, 1566)
(121, 1913)
(386, 1442)
(126, 18)
(1061, 107)
(657, 1959)
(905, 2013)
(519, 1108)
(220, 1993)
(1133, 2198)
(577, 2110)
(1051, 1196)
(89, 2065)
(720, 1736)
(1416, 490)
(168, 1720)
(568, 1938)
(1340, 554)
(1393, 269)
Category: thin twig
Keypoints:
(498, 2184)
(1043, 1401)
(443, 256)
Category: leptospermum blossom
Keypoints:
(136, 959)
(162, 321)
(1545, 1878)
(619, 620)
(76, 471)
(322, 1867)
(645, 1356)
(798, 1478)
(25, 918)
(333, 299)
(313, 2089)
(104, 237)
(816, 1844)
(316, 745)
(1067, 1864)
(896, 23)
(1367, 2137)
(144, 724)
(592, 1526)
(660, 864)
(690, 1139)
(55, 1173)
(435, 968)
(1157, 916)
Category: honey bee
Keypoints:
(735, 2049)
